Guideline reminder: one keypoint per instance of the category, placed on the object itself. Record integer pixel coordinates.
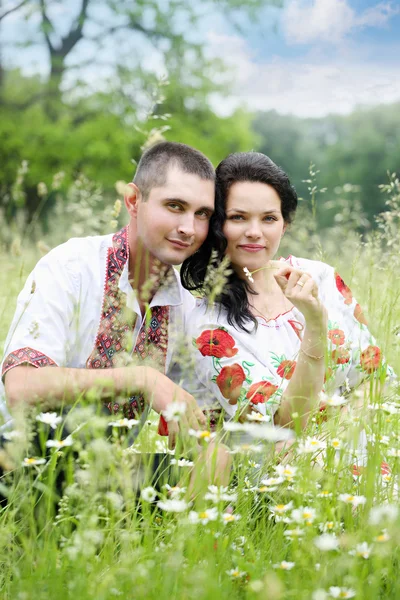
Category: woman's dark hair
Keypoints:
(241, 166)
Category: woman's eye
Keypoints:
(269, 219)
(235, 217)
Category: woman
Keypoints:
(280, 331)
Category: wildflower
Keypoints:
(148, 494)
(386, 477)
(336, 443)
(253, 464)
(174, 491)
(294, 533)
(326, 542)
(60, 443)
(262, 432)
(174, 411)
(284, 565)
(280, 509)
(271, 484)
(385, 512)
(129, 423)
(258, 417)
(334, 400)
(32, 462)
(211, 514)
(49, 418)
(247, 449)
(394, 452)
(248, 274)
(228, 517)
(383, 537)
(353, 500)
(236, 574)
(361, 550)
(220, 494)
(173, 505)
(286, 471)
(392, 408)
(341, 592)
(310, 444)
(182, 462)
(206, 436)
(324, 494)
(303, 515)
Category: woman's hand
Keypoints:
(302, 291)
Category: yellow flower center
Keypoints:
(30, 461)
(203, 515)
(204, 434)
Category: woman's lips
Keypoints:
(252, 247)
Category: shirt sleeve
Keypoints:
(228, 369)
(353, 352)
(41, 330)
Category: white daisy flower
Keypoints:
(395, 452)
(148, 494)
(175, 491)
(303, 514)
(202, 435)
(293, 533)
(387, 512)
(361, 550)
(247, 449)
(32, 462)
(49, 418)
(174, 411)
(229, 518)
(258, 417)
(382, 537)
(220, 494)
(248, 274)
(68, 441)
(280, 509)
(324, 494)
(173, 505)
(236, 573)
(311, 444)
(341, 592)
(129, 423)
(352, 499)
(270, 484)
(326, 542)
(203, 517)
(284, 565)
(286, 471)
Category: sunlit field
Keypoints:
(84, 517)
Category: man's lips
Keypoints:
(251, 247)
(180, 244)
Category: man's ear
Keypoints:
(131, 197)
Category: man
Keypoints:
(93, 305)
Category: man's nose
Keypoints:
(186, 225)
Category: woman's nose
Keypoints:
(253, 230)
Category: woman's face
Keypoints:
(254, 225)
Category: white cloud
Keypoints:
(329, 21)
(307, 87)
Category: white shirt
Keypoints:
(60, 307)
(266, 357)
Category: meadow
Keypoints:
(310, 526)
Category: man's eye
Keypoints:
(174, 206)
(204, 214)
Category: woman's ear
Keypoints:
(131, 196)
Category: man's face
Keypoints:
(173, 223)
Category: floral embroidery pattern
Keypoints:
(261, 392)
(343, 289)
(26, 356)
(340, 356)
(230, 381)
(359, 315)
(370, 359)
(336, 336)
(216, 342)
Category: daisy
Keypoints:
(174, 491)
(335, 400)
(129, 423)
(60, 443)
(248, 274)
(394, 452)
(205, 436)
(229, 518)
(326, 542)
(286, 471)
(271, 484)
(353, 500)
(258, 417)
(148, 494)
(173, 505)
(361, 550)
(174, 411)
(247, 449)
(385, 512)
(280, 509)
(324, 494)
(49, 418)
(236, 574)
(220, 494)
(293, 533)
(341, 592)
(311, 444)
(336, 443)
(383, 537)
(211, 514)
(284, 565)
(303, 515)
(31, 462)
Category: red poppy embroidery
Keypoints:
(343, 289)
(336, 336)
(229, 381)
(286, 369)
(370, 359)
(340, 356)
(216, 342)
(297, 327)
(359, 315)
(261, 392)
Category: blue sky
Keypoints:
(312, 58)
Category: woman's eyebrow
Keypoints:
(245, 212)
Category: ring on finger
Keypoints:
(300, 283)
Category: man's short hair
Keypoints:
(153, 166)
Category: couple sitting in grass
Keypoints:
(110, 312)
